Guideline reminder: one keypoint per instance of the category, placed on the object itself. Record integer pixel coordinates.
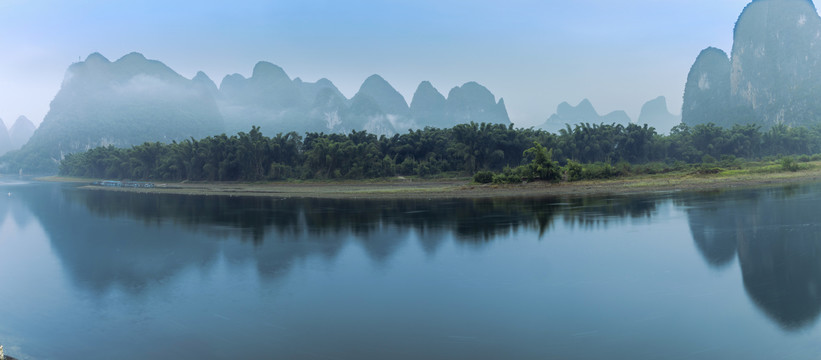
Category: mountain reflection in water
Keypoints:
(134, 239)
(776, 235)
(131, 241)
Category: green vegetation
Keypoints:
(492, 153)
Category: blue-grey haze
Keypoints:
(535, 54)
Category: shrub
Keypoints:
(707, 159)
(680, 165)
(623, 168)
(541, 167)
(707, 170)
(729, 161)
(483, 177)
(599, 170)
(573, 171)
(509, 176)
(788, 164)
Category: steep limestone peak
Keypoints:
(656, 114)
(205, 82)
(132, 56)
(97, 58)
(776, 61)
(388, 99)
(427, 96)
(202, 77)
(428, 107)
(584, 110)
(325, 83)
(266, 71)
(21, 132)
(474, 102)
(657, 105)
(473, 91)
(707, 91)
(375, 83)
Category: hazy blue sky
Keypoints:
(535, 54)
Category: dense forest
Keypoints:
(465, 149)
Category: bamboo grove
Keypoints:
(464, 149)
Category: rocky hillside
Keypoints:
(773, 75)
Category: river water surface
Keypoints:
(107, 275)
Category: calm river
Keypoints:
(105, 275)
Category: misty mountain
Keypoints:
(127, 102)
(384, 95)
(474, 102)
(135, 100)
(776, 64)
(774, 73)
(428, 106)
(584, 112)
(5, 140)
(365, 113)
(271, 100)
(21, 132)
(655, 114)
(707, 91)
(203, 81)
(377, 108)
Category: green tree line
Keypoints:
(464, 149)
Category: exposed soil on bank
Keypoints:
(464, 188)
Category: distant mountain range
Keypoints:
(772, 76)
(653, 113)
(135, 100)
(15, 137)
(271, 100)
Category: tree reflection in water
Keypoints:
(108, 239)
(112, 239)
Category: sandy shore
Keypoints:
(463, 188)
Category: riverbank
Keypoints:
(465, 188)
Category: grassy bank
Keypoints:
(690, 179)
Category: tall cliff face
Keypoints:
(707, 92)
(776, 61)
(774, 73)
